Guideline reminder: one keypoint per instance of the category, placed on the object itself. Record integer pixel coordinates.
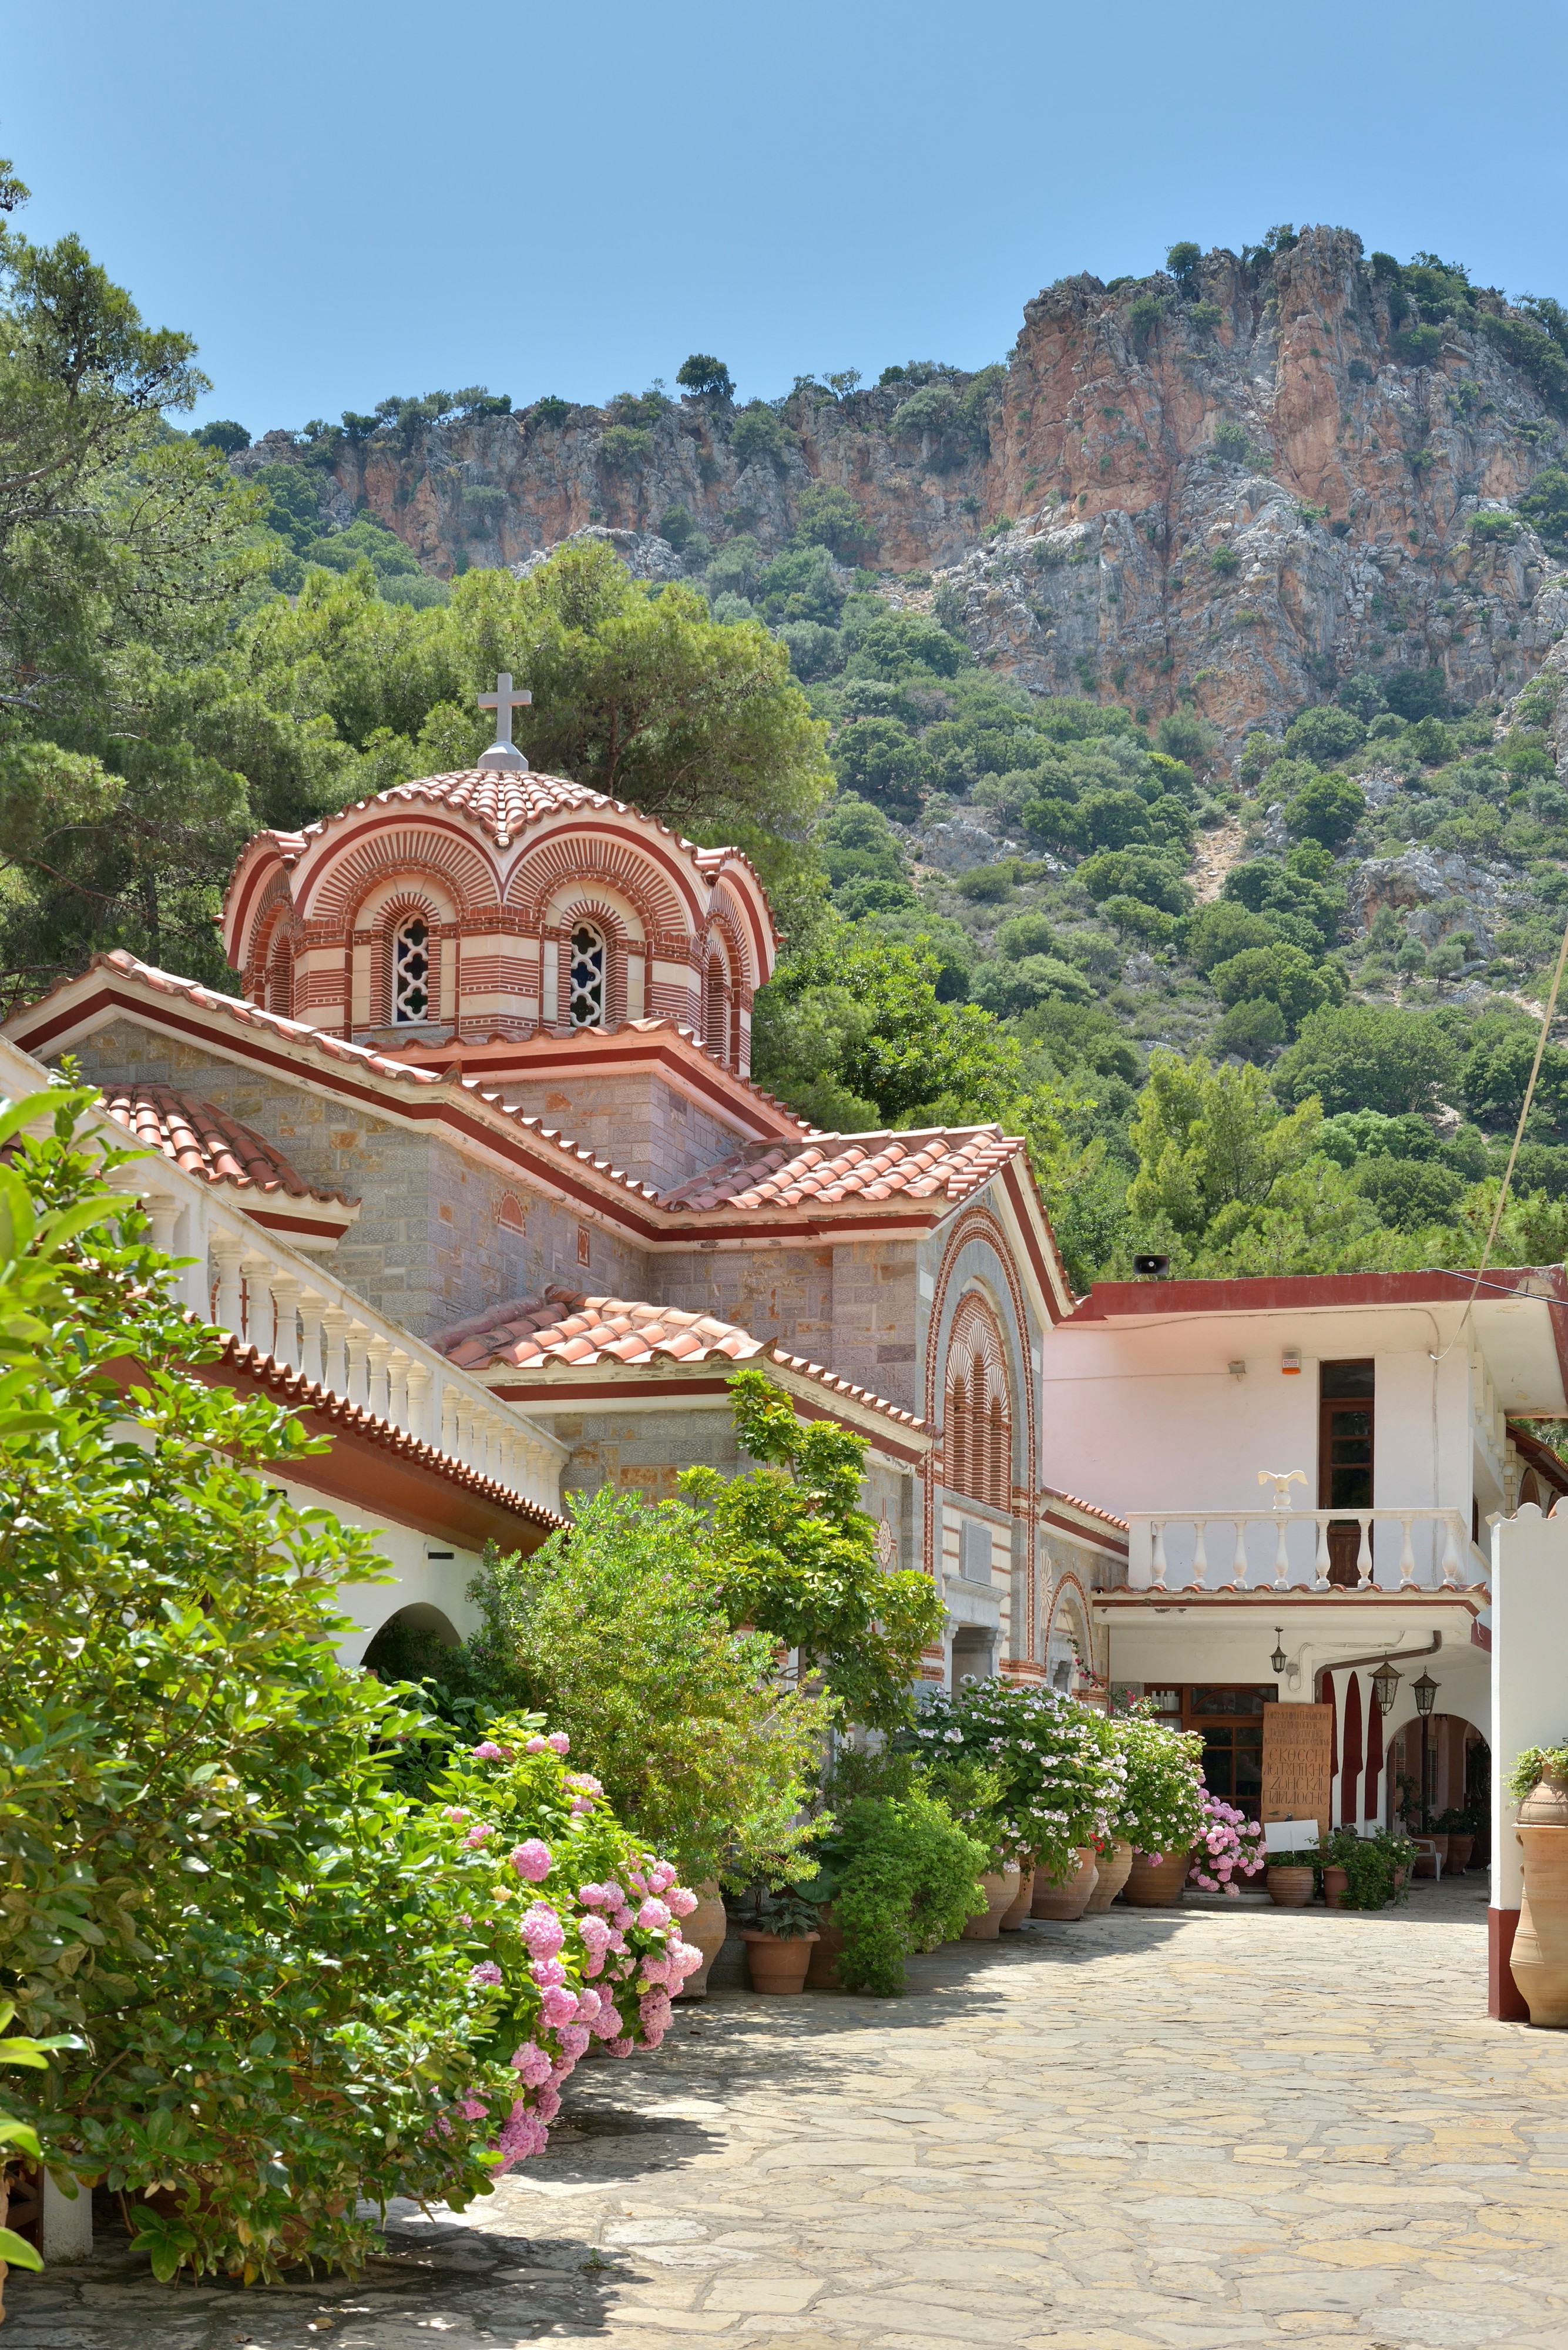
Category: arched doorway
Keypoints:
(417, 1643)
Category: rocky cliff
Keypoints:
(1237, 485)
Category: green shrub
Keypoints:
(625, 447)
(1493, 527)
(1025, 934)
(1144, 315)
(895, 645)
(757, 433)
(1136, 873)
(1182, 261)
(1414, 693)
(1008, 988)
(988, 885)
(1323, 735)
(1258, 755)
(1224, 928)
(1371, 1863)
(902, 1876)
(702, 372)
(1160, 1807)
(883, 762)
(1365, 1057)
(1223, 561)
(1419, 346)
(1150, 925)
(827, 516)
(1183, 735)
(1231, 443)
(1252, 1031)
(676, 526)
(1326, 809)
(1281, 974)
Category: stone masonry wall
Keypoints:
(643, 1126)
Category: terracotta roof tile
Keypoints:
(1090, 1509)
(833, 1168)
(565, 1326)
(201, 1139)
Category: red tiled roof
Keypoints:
(951, 1161)
(201, 1139)
(1090, 1509)
(578, 1333)
(565, 1327)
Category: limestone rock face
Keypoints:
(1438, 894)
(1238, 487)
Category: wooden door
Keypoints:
(1298, 1763)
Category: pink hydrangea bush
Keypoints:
(1228, 1845)
(570, 1930)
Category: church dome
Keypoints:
(497, 902)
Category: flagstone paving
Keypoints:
(1197, 2130)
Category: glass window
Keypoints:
(587, 977)
(411, 972)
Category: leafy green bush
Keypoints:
(1061, 1768)
(1136, 919)
(1224, 928)
(614, 1631)
(1492, 526)
(1007, 989)
(882, 761)
(625, 447)
(757, 433)
(1136, 873)
(1415, 694)
(1535, 1764)
(1372, 1864)
(1025, 934)
(986, 885)
(827, 516)
(1327, 809)
(896, 645)
(702, 372)
(1365, 1057)
(1324, 734)
(1161, 1808)
(1223, 561)
(1277, 973)
(1254, 1030)
(902, 1876)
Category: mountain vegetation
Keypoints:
(1258, 981)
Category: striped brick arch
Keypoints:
(978, 1420)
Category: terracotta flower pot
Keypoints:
(1071, 1899)
(1000, 1891)
(1442, 1844)
(1113, 1867)
(1018, 1909)
(705, 1928)
(827, 1948)
(776, 1964)
(1289, 1887)
(1459, 1850)
(1539, 1956)
(1335, 1885)
(1155, 1884)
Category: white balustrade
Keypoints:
(287, 1304)
(1289, 1550)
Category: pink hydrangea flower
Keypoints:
(549, 2104)
(681, 1900)
(606, 2024)
(558, 2006)
(625, 1917)
(547, 1972)
(616, 1939)
(636, 1880)
(593, 1897)
(653, 2038)
(664, 1874)
(559, 1740)
(477, 1836)
(583, 1782)
(456, 1812)
(621, 2047)
(542, 1930)
(689, 1958)
(574, 2038)
(532, 1860)
(473, 2111)
(653, 1917)
(488, 1752)
(532, 2062)
(588, 2006)
(486, 1971)
(533, 1746)
(595, 1935)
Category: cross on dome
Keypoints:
(502, 752)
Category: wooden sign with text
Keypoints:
(1298, 1762)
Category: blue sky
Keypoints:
(342, 202)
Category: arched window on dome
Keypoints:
(411, 970)
(587, 972)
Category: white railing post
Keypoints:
(1158, 1557)
(1451, 1564)
(1281, 1556)
(1199, 1555)
(420, 1382)
(285, 1296)
(1406, 1557)
(335, 1365)
(227, 1309)
(398, 1386)
(1321, 1560)
(311, 1306)
(379, 1350)
(1363, 1574)
(260, 1315)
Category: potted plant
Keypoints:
(1455, 1824)
(1113, 1861)
(1291, 1880)
(1229, 1845)
(1058, 1773)
(1539, 1959)
(778, 1945)
(896, 1873)
(1365, 1872)
(1161, 1808)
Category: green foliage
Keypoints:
(1211, 1139)
(625, 447)
(1535, 1764)
(827, 516)
(1498, 1071)
(1061, 1776)
(196, 1805)
(758, 433)
(795, 1556)
(223, 434)
(899, 645)
(1009, 988)
(1372, 1865)
(1545, 504)
(1493, 527)
(1415, 694)
(1136, 873)
(615, 1631)
(1161, 1807)
(1281, 974)
(1324, 734)
(1183, 735)
(1366, 1057)
(703, 373)
(1182, 261)
(883, 762)
(1222, 930)
(1223, 561)
(903, 1876)
(1327, 808)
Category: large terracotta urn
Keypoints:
(1155, 1884)
(1540, 1955)
(1071, 1899)
(1290, 1884)
(705, 1930)
(1019, 1908)
(1000, 1891)
(777, 1962)
(1459, 1850)
(1112, 1869)
(1335, 1885)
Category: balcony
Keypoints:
(1288, 1551)
(289, 1307)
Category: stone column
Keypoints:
(227, 1310)
(420, 1382)
(379, 1350)
(311, 1315)
(287, 1293)
(398, 1386)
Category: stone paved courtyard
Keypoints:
(1137, 2133)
